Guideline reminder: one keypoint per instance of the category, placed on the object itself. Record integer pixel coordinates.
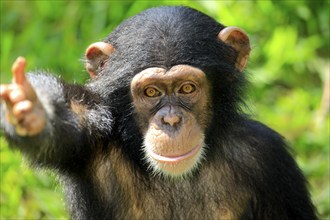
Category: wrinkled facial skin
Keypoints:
(171, 110)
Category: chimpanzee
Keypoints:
(158, 131)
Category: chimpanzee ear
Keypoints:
(97, 55)
(239, 40)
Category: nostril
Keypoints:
(171, 120)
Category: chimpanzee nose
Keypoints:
(171, 120)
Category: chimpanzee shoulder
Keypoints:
(277, 170)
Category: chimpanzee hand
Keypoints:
(23, 108)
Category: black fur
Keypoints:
(97, 151)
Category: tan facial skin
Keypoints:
(173, 135)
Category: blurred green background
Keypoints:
(289, 69)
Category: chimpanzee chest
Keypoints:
(127, 194)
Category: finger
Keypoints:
(4, 92)
(18, 70)
(20, 110)
(17, 94)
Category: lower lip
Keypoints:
(174, 159)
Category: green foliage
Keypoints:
(26, 194)
(289, 67)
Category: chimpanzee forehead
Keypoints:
(178, 73)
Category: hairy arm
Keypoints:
(54, 124)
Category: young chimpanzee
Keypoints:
(157, 133)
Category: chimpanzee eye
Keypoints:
(151, 92)
(187, 88)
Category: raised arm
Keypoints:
(50, 121)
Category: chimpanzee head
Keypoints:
(180, 75)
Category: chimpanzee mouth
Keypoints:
(175, 159)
